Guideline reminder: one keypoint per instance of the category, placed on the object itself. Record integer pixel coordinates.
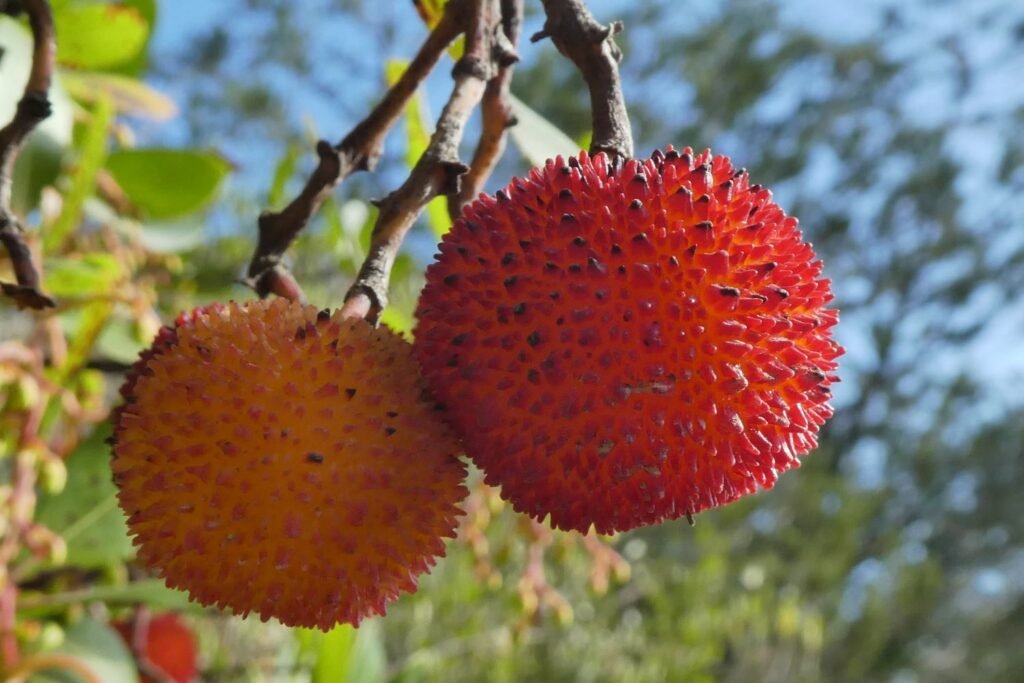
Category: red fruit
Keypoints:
(621, 348)
(167, 644)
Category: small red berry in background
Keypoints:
(164, 645)
(619, 348)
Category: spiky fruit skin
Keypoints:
(169, 646)
(276, 460)
(621, 348)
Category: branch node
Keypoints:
(471, 66)
(540, 35)
(34, 105)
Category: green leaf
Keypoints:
(99, 648)
(167, 183)
(349, 655)
(87, 276)
(86, 512)
(129, 95)
(99, 36)
(417, 137)
(537, 138)
(368, 661)
(120, 341)
(148, 10)
(283, 172)
(399, 321)
(333, 659)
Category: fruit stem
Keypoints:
(496, 111)
(591, 47)
(438, 170)
(358, 151)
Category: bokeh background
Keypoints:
(892, 129)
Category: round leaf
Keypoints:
(166, 183)
(99, 36)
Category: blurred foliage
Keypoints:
(896, 552)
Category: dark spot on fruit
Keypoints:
(314, 457)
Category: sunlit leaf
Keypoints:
(166, 183)
(537, 138)
(120, 341)
(88, 275)
(283, 172)
(99, 36)
(398, 320)
(347, 655)
(417, 134)
(86, 513)
(332, 661)
(99, 648)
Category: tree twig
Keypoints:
(495, 109)
(438, 170)
(591, 46)
(33, 107)
(358, 151)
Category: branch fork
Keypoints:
(481, 78)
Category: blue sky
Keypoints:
(978, 123)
